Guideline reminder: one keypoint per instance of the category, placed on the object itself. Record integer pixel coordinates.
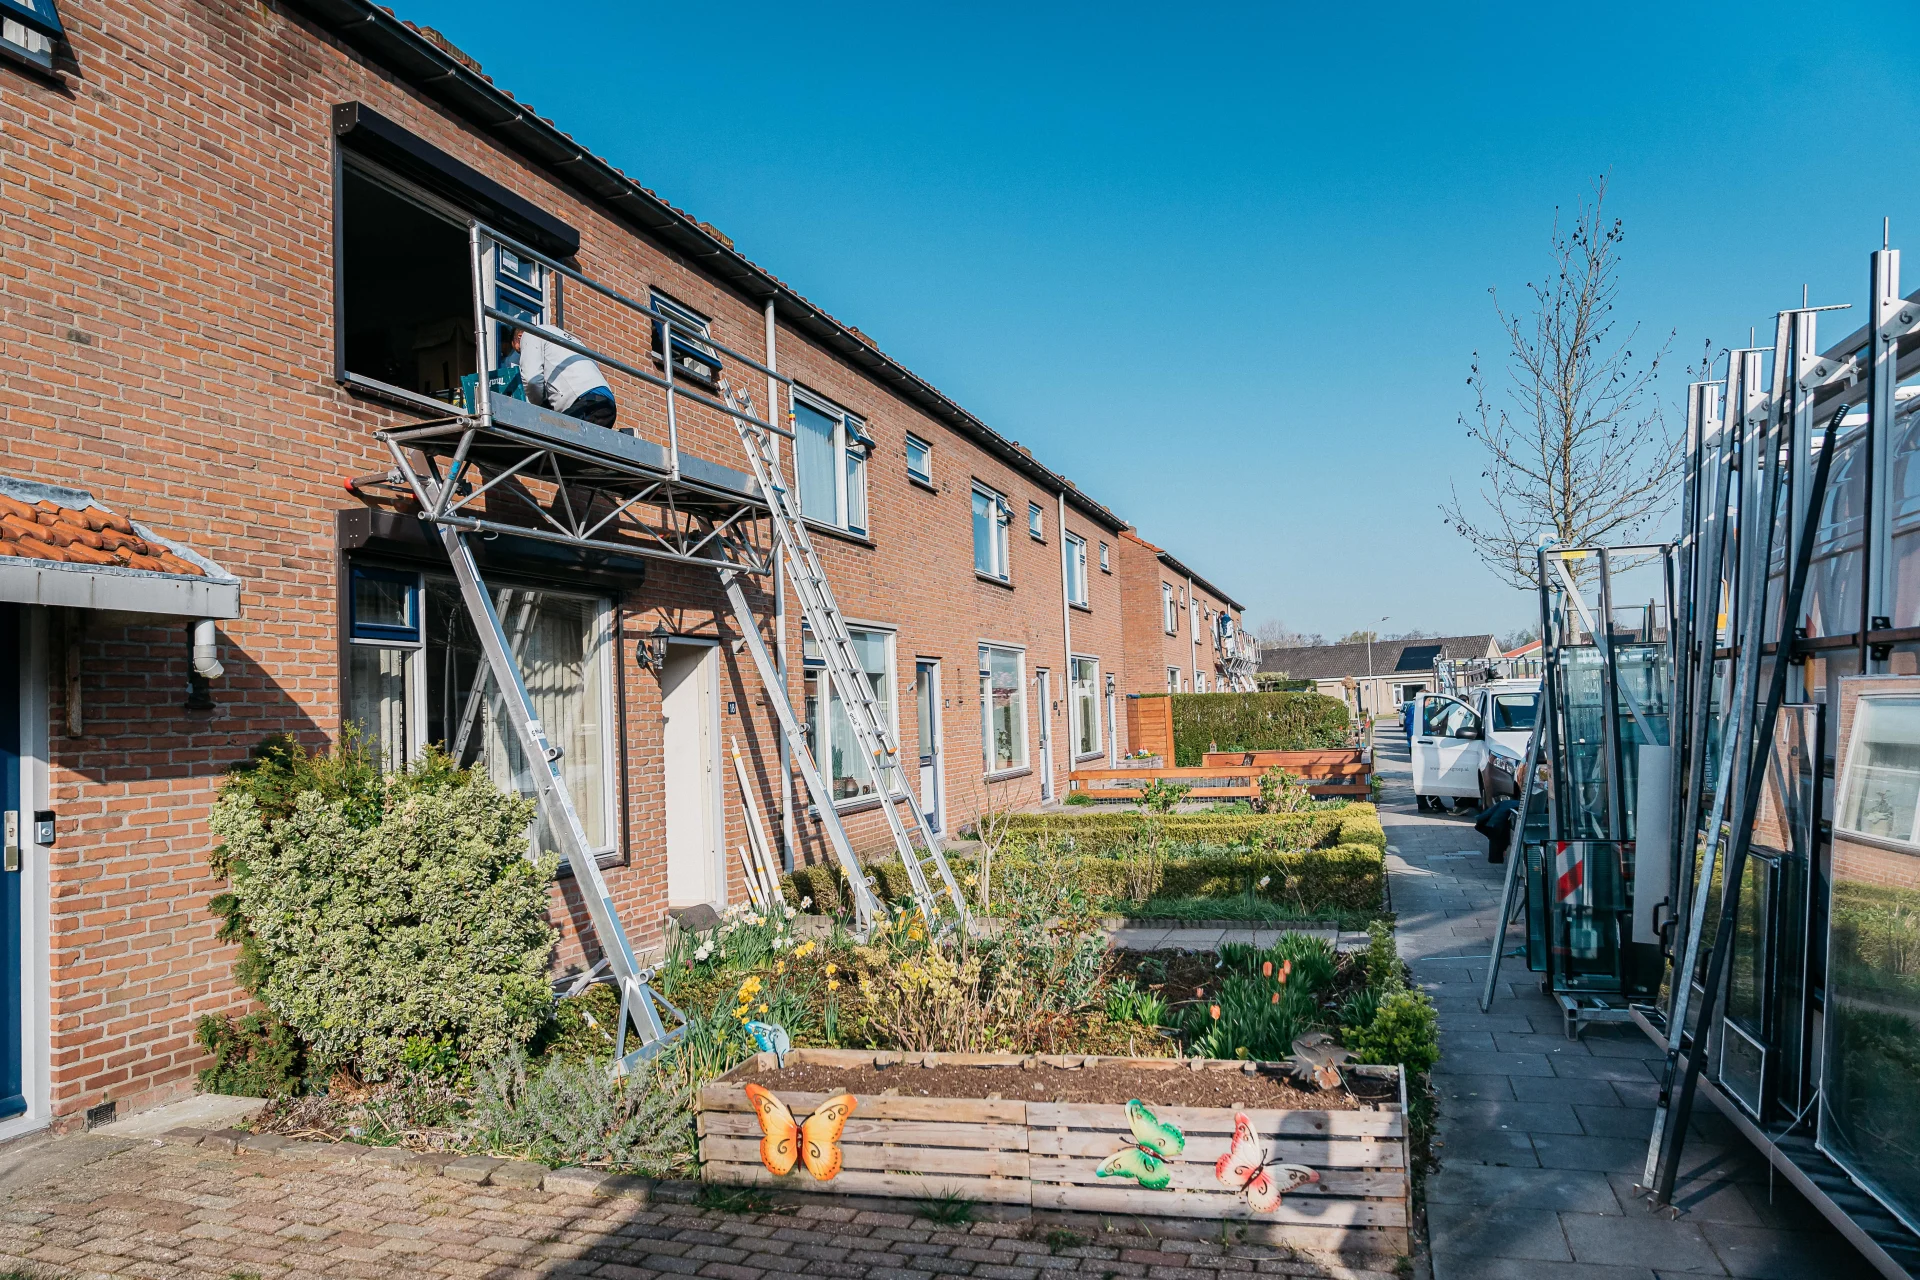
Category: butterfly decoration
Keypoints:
(772, 1038)
(814, 1142)
(1317, 1058)
(1155, 1142)
(1245, 1169)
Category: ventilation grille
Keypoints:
(105, 1113)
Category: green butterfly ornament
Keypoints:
(1155, 1142)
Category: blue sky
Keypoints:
(1225, 266)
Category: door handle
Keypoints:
(1425, 742)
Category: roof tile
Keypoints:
(46, 530)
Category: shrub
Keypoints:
(1405, 1031)
(577, 1111)
(379, 911)
(1160, 796)
(1102, 832)
(1255, 722)
(1079, 797)
(254, 1056)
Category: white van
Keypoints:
(1470, 748)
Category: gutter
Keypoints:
(420, 63)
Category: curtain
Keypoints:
(815, 462)
(377, 700)
(563, 662)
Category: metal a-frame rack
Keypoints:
(1788, 560)
(1591, 825)
(505, 468)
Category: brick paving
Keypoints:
(93, 1206)
(1540, 1139)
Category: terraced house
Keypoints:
(262, 264)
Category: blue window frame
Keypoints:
(384, 604)
(29, 30)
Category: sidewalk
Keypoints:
(1542, 1138)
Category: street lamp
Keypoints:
(1370, 688)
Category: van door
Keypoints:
(1446, 748)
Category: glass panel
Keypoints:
(849, 773)
(453, 662)
(1745, 992)
(1086, 706)
(919, 460)
(377, 700)
(383, 604)
(816, 462)
(1742, 1066)
(1882, 784)
(1906, 515)
(563, 660)
(1514, 711)
(923, 698)
(857, 489)
(1833, 586)
(983, 559)
(1006, 709)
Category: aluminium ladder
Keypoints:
(869, 727)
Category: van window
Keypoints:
(1514, 711)
(1445, 718)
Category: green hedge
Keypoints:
(1254, 722)
(1102, 832)
(1346, 877)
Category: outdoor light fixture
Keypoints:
(653, 652)
(1109, 684)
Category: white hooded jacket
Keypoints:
(555, 376)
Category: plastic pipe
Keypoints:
(206, 643)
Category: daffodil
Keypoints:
(833, 984)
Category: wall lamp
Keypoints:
(653, 650)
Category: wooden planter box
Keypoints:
(1042, 1155)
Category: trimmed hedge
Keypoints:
(1102, 832)
(1347, 877)
(1254, 722)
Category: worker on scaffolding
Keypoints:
(562, 380)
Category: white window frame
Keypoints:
(1169, 609)
(1076, 551)
(1199, 680)
(817, 668)
(924, 476)
(1093, 695)
(1025, 757)
(1036, 522)
(999, 516)
(416, 680)
(1106, 559)
(682, 314)
(850, 442)
(1173, 679)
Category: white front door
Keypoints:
(689, 690)
(1044, 678)
(926, 697)
(1446, 747)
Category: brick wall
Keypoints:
(166, 317)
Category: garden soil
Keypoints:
(1267, 1088)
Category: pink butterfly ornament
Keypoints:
(1245, 1169)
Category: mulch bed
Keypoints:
(1105, 1082)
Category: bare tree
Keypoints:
(1275, 634)
(1578, 452)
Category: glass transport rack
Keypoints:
(1723, 833)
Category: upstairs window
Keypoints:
(692, 359)
(1036, 522)
(919, 460)
(1076, 570)
(830, 449)
(1170, 618)
(1106, 560)
(990, 520)
(29, 29)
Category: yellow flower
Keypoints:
(832, 969)
(972, 881)
(833, 984)
(763, 1008)
(780, 966)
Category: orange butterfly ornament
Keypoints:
(814, 1142)
(1245, 1169)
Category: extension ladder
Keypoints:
(920, 849)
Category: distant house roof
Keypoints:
(1531, 646)
(1389, 657)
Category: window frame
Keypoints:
(689, 351)
(1024, 762)
(1036, 522)
(1173, 679)
(47, 27)
(925, 476)
(1075, 550)
(999, 540)
(348, 161)
(1169, 609)
(1106, 559)
(851, 445)
(816, 668)
(610, 853)
(1092, 688)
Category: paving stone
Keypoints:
(1570, 1190)
(263, 1143)
(474, 1169)
(186, 1136)
(1487, 1146)
(1578, 1151)
(519, 1173)
(1641, 1242)
(1481, 1232)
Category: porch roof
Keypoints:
(59, 546)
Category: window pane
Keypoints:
(383, 603)
(406, 292)
(1006, 709)
(1883, 769)
(848, 771)
(1034, 524)
(1086, 706)
(816, 463)
(377, 700)
(1076, 570)
(857, 489)
(1514, 711)
(983, 530)
(919, 459)
(563, 662)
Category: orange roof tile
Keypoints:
(45, 530)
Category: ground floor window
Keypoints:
(829, 731)
(1003, 707)
(1173, 679)
(1084, 679)
(414, 679)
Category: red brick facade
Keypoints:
(167, 215)
(1172, 632)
